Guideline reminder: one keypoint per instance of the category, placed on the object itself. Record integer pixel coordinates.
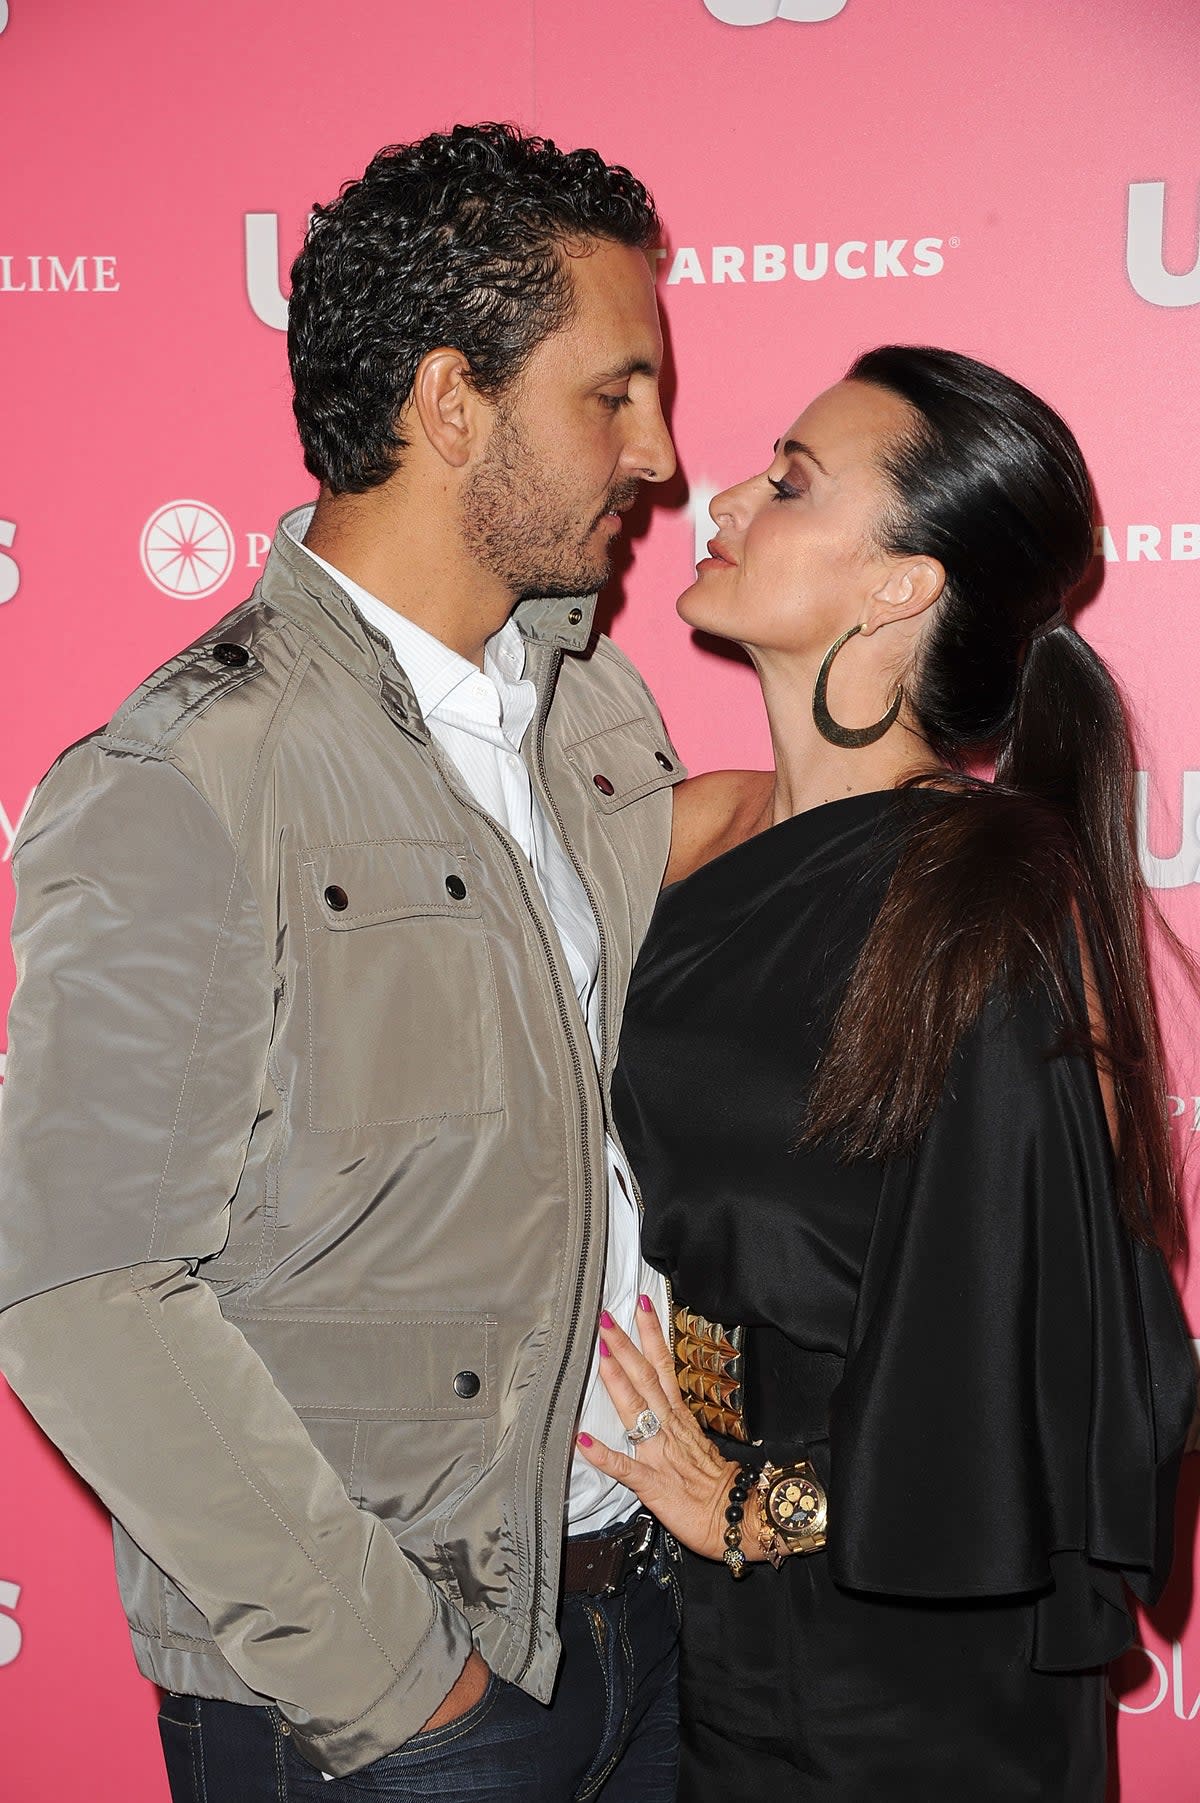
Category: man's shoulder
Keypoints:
(606, 677)
(246, 654)
(203, 715)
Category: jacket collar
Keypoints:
(296, 586)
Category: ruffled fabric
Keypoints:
(1019, 1379)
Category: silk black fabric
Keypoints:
(992, 1376)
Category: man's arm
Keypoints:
(138, 1044)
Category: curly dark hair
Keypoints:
(454, 240)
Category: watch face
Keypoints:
(796, 1505)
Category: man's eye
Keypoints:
(784, 490)
(614, 401)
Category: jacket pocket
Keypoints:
(401, 1406)
(624, 763)
(400, 1013)
(339, 1441)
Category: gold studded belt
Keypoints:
(709, 1365)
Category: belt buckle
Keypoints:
(637, 1557)
(646, 1544)
(632, 1547)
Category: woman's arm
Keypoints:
(713, 813)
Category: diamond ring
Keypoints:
(644, 1428)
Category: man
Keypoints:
(310, 1203)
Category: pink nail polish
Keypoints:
(645, 1303)
(606, 1319)
(584, 1439)
(604, 1352)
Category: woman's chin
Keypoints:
(691, 607)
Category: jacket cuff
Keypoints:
(403, 1709)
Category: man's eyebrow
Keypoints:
(796, 448)
(633, 366)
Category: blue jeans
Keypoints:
(611, 1730)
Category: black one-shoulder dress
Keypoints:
(992, 1378)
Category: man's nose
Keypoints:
(654, 454)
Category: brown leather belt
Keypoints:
(602, 1564)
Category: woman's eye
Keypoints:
(784, 490)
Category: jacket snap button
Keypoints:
(232, 655)
(575, 616)
(466, 1385)
(336, 898)
(603, 784)
(660, 757)
(456, 888)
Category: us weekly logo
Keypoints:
(1146, 1681)
(1145, 262)
(852, 259)
(762, 12)
(10, 1627)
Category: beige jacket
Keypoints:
(302, 1198)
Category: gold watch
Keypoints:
(793, 1511)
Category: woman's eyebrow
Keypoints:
(794, 447)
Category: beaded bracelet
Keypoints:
(744, 1481)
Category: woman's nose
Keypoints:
(727, 508)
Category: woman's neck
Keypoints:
(809, 770)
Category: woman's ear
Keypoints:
(908, 591)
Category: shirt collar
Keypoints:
(434, 670)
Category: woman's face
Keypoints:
(794, 559)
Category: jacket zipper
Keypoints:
(585, 1150)
(604, 1074)
(585, 1147)
(584, 1131)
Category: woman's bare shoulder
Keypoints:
(713, 813)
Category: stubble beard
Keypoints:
(518, 524)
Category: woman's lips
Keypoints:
(716, 559)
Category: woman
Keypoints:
(892, 1085)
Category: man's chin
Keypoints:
(565, 588)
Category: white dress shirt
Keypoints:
(478, 718)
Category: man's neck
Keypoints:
(406, 551)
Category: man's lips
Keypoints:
(618, 505)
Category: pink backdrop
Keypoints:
(1018, 179)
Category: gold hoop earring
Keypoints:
(851, 738)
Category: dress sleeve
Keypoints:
(1019, 1381)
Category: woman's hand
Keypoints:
(678, 1472)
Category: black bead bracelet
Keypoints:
(739, 1493)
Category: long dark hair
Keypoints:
(990, 481)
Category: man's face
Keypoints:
(575, 437)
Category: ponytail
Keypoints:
(995, 880)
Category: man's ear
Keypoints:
(911, 588)
(447, 408)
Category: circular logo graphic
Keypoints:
(761, 12)
(187, 549)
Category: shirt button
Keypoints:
(456, 888)
(466, 1385)
(336, 898)
(603, 784)
(660, 757)
(234, 656)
